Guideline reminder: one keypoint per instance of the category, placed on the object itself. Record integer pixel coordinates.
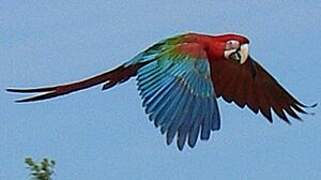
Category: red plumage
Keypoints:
(198, 68)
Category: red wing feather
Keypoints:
(250, 84)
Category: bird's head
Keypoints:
(235, 47)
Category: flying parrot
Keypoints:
(180, 78)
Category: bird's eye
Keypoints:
(232, 44)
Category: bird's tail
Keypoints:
(110, 79)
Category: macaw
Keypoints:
(180, 79)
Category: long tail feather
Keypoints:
(110, 78)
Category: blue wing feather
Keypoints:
(187, 122)
(161, 97)
(194, 132)
(178, 95)
(216, 123)
(165, 113)
(206, 124)
(167, 108)
(177, 120)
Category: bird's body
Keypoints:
(181, 77)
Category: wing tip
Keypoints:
(313, 105)
(307, 106)
(180, 147)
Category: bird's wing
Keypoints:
(177, 92)
(250, 84)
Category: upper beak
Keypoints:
(244, 51)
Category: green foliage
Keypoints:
(40, 170)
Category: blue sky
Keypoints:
(106, 135)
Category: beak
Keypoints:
(244, 51)
(239, 55)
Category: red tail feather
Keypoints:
(111, 78)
